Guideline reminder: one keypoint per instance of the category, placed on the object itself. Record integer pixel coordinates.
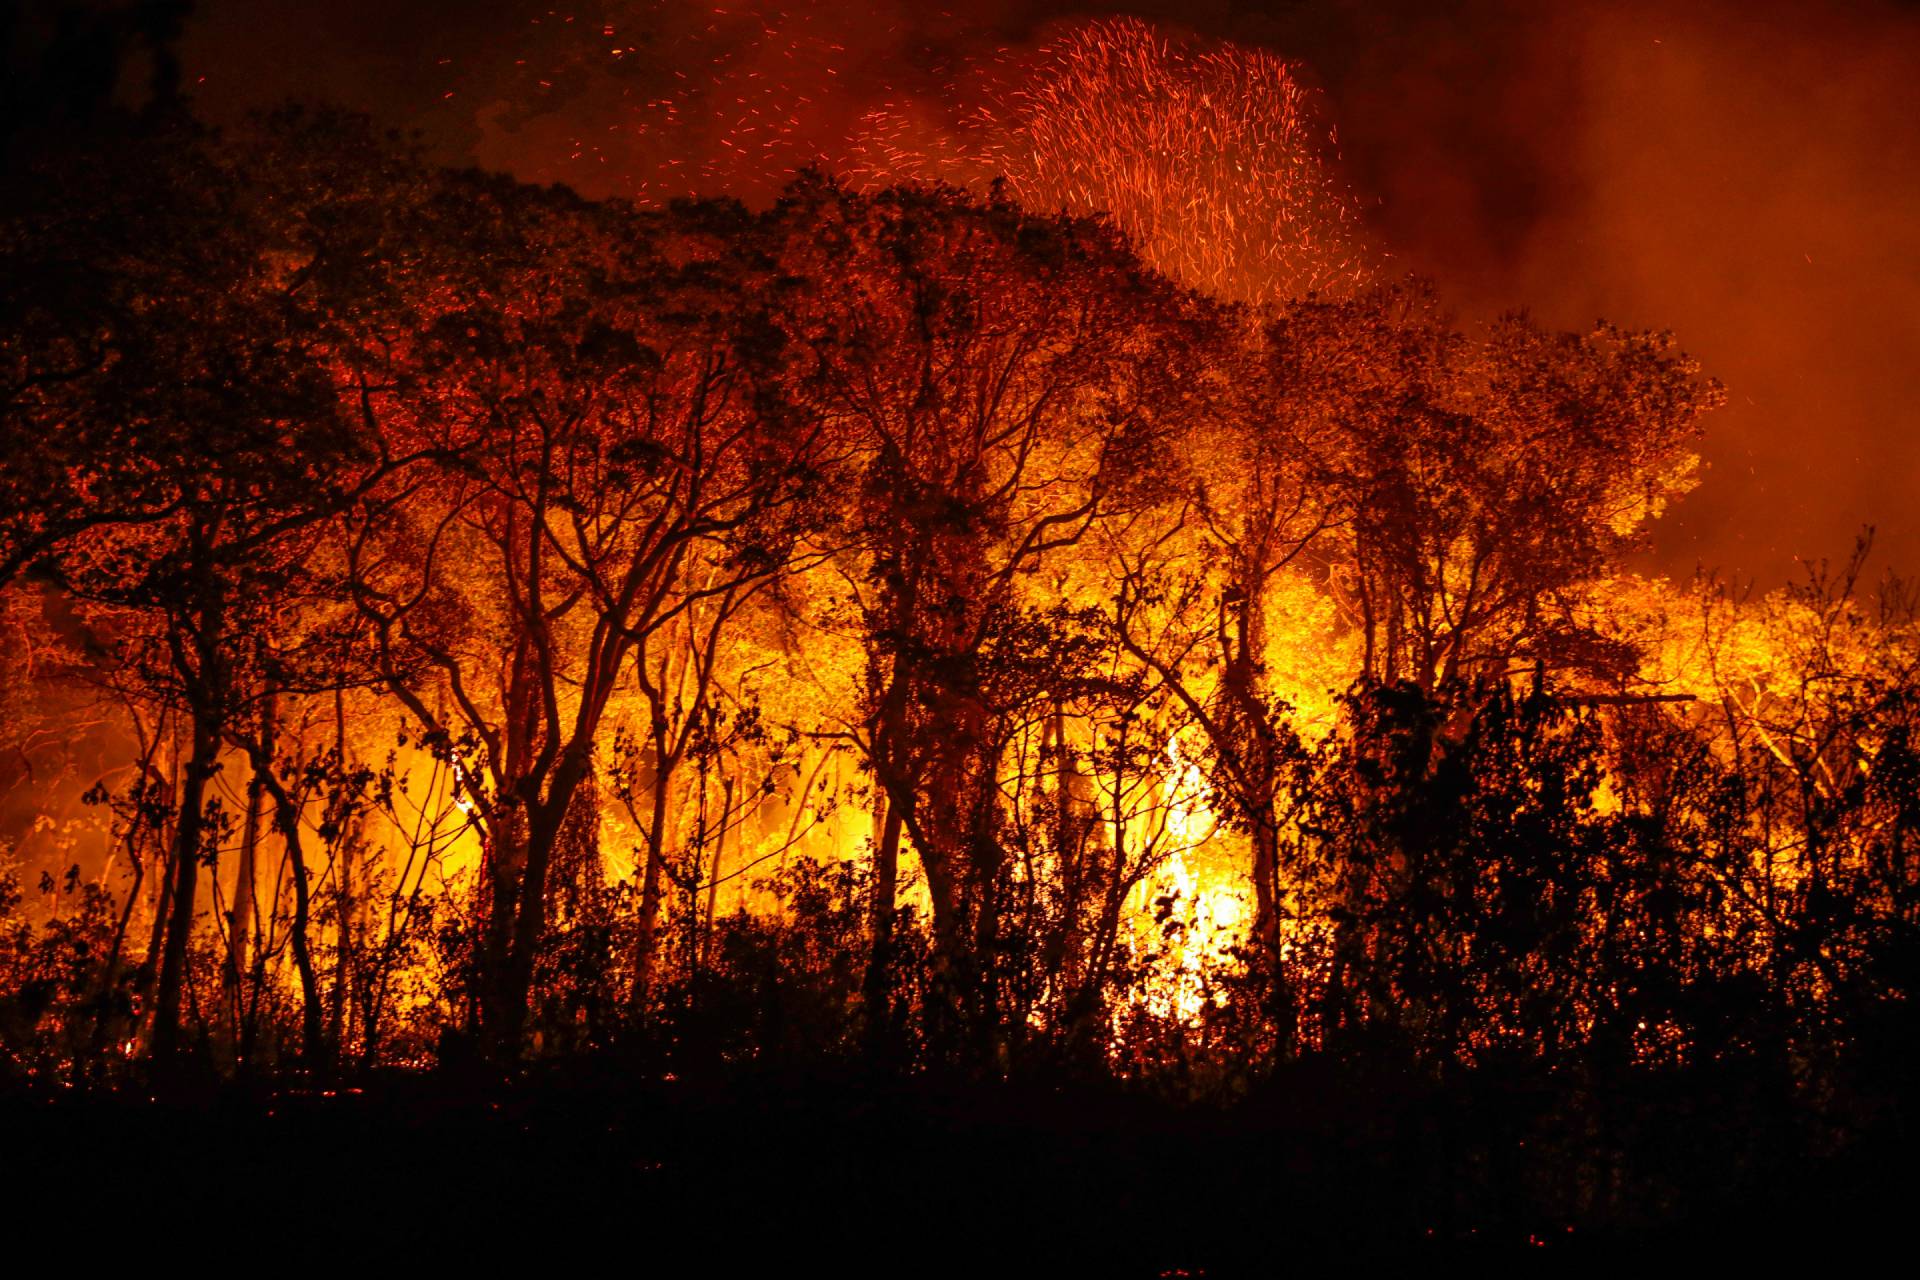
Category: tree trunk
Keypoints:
(719, 860)
(162, 883)
(341, 1028)
(1266, 881)
(505, 864)
(240, 918)
(652, 884)
(878, 984)
(286, 820)
(514, 983)
(188, 835)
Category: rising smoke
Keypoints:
(1748, 176)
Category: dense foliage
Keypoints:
(459, 622)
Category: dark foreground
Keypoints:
(845, 1177)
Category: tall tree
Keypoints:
(194, 441)
(995, 374)
(1490, 476)
(606, 380)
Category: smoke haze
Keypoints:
(1745, 175)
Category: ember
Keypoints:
(979, 582)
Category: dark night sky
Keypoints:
(1746, 174)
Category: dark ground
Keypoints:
(843, 1177)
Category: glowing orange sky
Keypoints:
(1745, 174)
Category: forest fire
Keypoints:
(1209, 158)
(982, 591)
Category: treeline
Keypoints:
(460, 620)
